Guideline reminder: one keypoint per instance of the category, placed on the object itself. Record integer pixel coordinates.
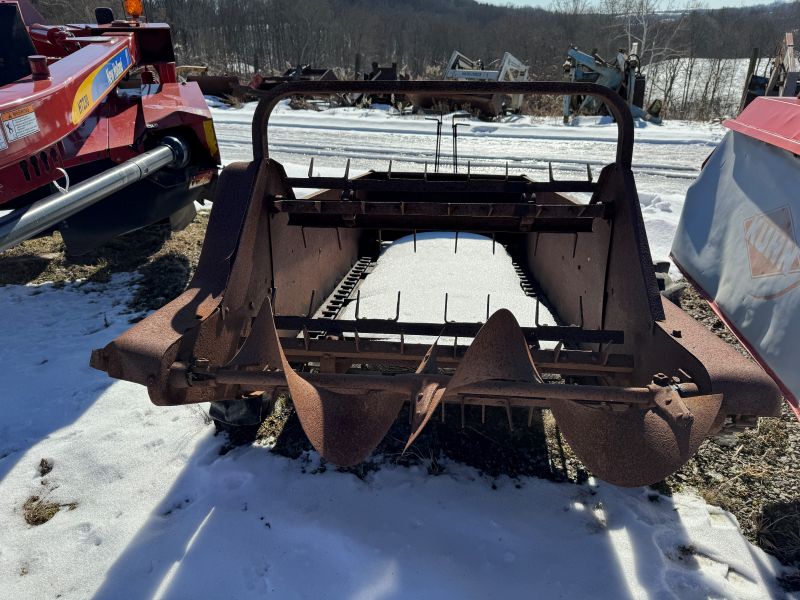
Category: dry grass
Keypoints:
(38, 511)
(164, 262)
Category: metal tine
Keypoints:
(347, 171)
(469, 170)
(445, 306)
(550, 170)
(415, 241)
(338, 238)
(580, 304)
(389, 172)
(605, 352)
(303, 234)
(425, 174)
(311, 167)
(306, 337)
(358, 302)
(509, 415)
(397, 313)
(494, 242)
(536, 316)
(455, 251)
(589, 172)
(557, 351)
(506, 170)
(311, 303)
(488, 299)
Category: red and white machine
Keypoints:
(737, 240)
(97, 136)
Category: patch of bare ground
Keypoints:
(164, 262)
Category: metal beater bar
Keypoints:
(367, 350)
(410, 209)
(490, 392)
(552, 333)
(403, 182)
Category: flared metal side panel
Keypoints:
(571, 269)
(602, 279)
(308, 261)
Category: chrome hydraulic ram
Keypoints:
(47, 212)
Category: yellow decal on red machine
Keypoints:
(211, 137)
(97, 85)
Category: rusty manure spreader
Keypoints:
(641, 383)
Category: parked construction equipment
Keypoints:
(378, 73)
(781, 76)
(98, 138)
(643, 384)
(461, 68)
(623, 75)
(231, 87)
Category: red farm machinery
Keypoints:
(634, 383)
(98, 137)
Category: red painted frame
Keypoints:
(119, 126)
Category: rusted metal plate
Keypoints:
(637, 447)
(498, 353)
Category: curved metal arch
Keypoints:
(616, 105)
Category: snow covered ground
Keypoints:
(150, 509)
(158, 513)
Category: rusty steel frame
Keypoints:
(647, 383)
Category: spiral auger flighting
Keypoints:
(634, 383)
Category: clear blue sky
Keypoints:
(709, 3)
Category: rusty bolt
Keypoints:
(661, 379)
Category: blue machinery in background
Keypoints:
(621, 75)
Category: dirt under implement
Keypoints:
(642, 384)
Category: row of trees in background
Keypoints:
(687, 51)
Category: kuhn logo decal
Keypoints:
(771, 245)
(772, 248)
